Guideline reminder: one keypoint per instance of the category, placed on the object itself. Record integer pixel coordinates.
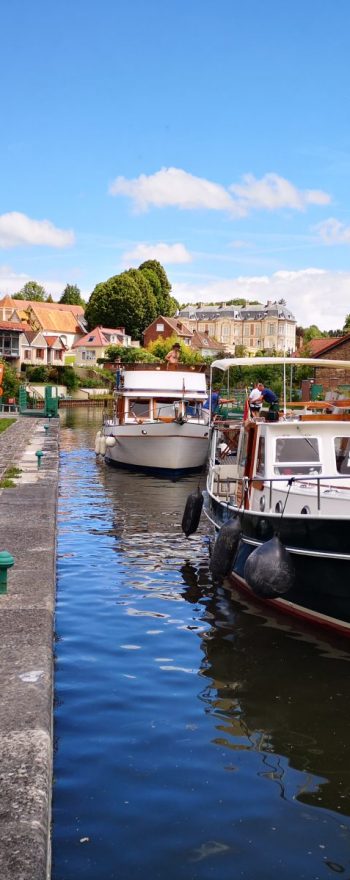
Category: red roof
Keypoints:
(100, 337)
(14, 325)
(320, 346)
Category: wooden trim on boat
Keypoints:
(325, 417)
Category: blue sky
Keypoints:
(213, 137)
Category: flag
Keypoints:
(246, 411)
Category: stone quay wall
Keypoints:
(28, 533)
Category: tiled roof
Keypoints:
(7, 302)
(328, 344)
(51, 340)
(203, 340)
(100, 337)
(14, 325)
(54, 319)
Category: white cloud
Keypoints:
(332, 231)
(165, 253)
(173, 186)
(176, 187)
(17, 229)
(273, 192)
(11, 282)
(315, 296)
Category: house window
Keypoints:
(159, 328)
(90, 355)
(251, 343)
(27, 354)
(270, 329)
(246, 330)
(58, 355)
(91, 339)
(252, 329)
(40, 353)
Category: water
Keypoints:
(196, 738)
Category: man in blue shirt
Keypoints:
(268, 396)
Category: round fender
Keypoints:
(192, 513)
(110, 441)
(269, 570)
(102, 445)
(97, 442)
(225, 549)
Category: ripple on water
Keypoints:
(194, 741)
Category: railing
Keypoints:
(238, 488)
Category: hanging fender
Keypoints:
(269, 570)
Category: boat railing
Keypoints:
(231, 488)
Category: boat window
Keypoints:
(297, 449)
(243, 450)
(342, 454)
(260, 462)
(138, 408)
(164, 409)
(299, 455)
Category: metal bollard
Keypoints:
(39, 454)
(6, 561)
(46, 428)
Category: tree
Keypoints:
(71, 296)
(32, 291)
(149, 301)
(161, 286)
(117, 303)
(346, 328)
(160, 348)
(49, 299)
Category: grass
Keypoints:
(5, 423)
(12, 473)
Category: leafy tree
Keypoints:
(32, 291)
(128, 355)
(10, 381)
(149, 301)
(49, 299)
(313, 332)
(346, 328)
(71, 296)
(117, 303)
(167, 305)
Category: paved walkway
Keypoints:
(28, 532)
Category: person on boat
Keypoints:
(173, 356)
(255, 401)
(215, 402)
(268, 396)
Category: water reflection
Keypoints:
(214, 737)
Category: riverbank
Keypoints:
(28, 533)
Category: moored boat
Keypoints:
(159, 423)
(278, 495)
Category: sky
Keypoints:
(212, 137)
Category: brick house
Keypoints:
(337, 349)
(163, 328)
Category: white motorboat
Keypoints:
(159, 423)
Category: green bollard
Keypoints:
(46, 428)
(39, 454)
(6, 561)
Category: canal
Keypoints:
(196, 738)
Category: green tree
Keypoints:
(49, 299)
(149, 301)
(346, 328)
(10, 381)
(117, 303)
(313, 332)
(128, 355)
(71, 296)
(160, 348)
(167, 305)
(32, 291)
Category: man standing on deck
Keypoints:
(268, 396)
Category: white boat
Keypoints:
(159, 423)
(281, 489)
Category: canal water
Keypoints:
(196, 738)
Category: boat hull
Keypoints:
(320, 552)
(169, 449)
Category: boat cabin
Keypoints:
(159, 394)
(258, 464)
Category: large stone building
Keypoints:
(269, 327)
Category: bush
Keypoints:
(10, 382)
(129, 355)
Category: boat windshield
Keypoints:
(297, 455)
(342, 454)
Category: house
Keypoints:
(51, 319)
(40, 350)
(205, 345)
(163, 328)
(93, 345)
(338, 348)
(12, 338)
(269, 327)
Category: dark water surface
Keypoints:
(196, 738)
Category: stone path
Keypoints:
(28, 532)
